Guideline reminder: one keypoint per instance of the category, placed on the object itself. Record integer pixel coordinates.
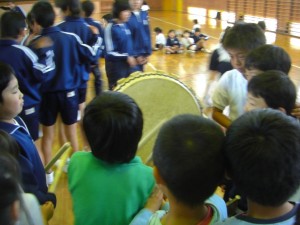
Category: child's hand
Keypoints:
(141, 60)
(155, 200)
(94, 29)
(296, 111)
(131, 61)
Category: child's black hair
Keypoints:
(276, 88)
(187, 154)
(269, 57)
(12, 23)
(88, 8)
(118, 7)
(244, 36)
(157, 30)
(262, 149)
(43, 13)
(9, 187)
(6, 75)
(113, 125)
(74, 6)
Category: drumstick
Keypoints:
(57, 156)
(148, 136)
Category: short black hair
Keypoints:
(276, 88)
(108, 17)
(118, 7)
(262, 148)
(244, 36)
(262, 25)
(43, 13)
(113, 125)
(11, 24)
(88, 8)
(9, 183)
(6, 75)
(157, 30)
(187, 154)
(9, 144)
(269, 57)
(74, 6)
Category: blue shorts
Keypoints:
(81, 95)
(64, 102)
(30, 115)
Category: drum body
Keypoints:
(160, 98)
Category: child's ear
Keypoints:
(15, 210)
(282, 110)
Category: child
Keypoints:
(118, 182)
(173, 44)
(267, 57)
(187, 41)
(139, 27)
(29, 69)
(11, 104)
(88, 8)
(196, 25)
(60, 94)
(271, 89)
(188, 167)
(262, 149)
(30, 212)
(231, 89)
(160, 39)
(119, 57)
(88, 34)
(199, 39)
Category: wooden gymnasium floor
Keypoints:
(191, 68)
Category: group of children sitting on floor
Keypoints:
(260, 152)
(187, 41)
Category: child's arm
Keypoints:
(153, 204)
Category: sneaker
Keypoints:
(49, 178)
(66, 166)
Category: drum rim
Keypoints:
(124, 82)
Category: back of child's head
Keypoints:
(119, 7)
(245, 36)
(6, 75)
(8, 144)
(187, 154)
(157, 30)
(276, 88)
(195, 21)
(262, 148)
(107, 17)
(72, 6)
(197, 30)
(43, 13)
(269, 57)
(12, 23)
(88, 8)
(113, 125)
(262, 25)
(9, 188)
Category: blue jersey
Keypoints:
(118, 42)
(78, 26)
(29, 70)
(69, 56)
(97, 24)
(173, 42)
(140, 31)
(33, 173)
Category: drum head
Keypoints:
(160, 98)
